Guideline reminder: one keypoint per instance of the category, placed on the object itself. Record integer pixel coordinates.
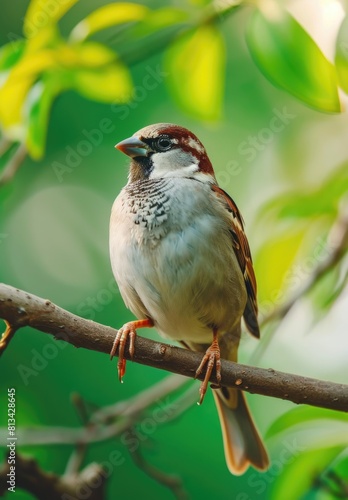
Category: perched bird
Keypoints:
(182, 263)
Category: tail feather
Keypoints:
(242, 443)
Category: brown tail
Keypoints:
(242, 443)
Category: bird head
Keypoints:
(166, 150)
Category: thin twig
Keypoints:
(77, 456)
(49, 318)
(140, 401)
(171, 481)
(107, 424)
(154, 45)
(13, 164)
(5, 144)
(337, 246)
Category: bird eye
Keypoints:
(163, 143)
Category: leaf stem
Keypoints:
(13, 164)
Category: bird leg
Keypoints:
(127, 330)
(211, 358)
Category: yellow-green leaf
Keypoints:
(298, 472)
(289, 57)
(196, 64)
(42, 13)
(85, 55)
(15, 87)
(10, 54)
(310, 203)
(47, 37)
(301, 415)
(341, 59)
(36, 114)
(108, 84)
(107, 16)
(273, 262)
(159, 19)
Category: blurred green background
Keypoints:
(280, 151)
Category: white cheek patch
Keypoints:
(173, 163)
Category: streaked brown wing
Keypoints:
(242, 250)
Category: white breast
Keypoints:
(172, 257)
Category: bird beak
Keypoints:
(133, 147)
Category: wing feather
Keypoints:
(242, 250)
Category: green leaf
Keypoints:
(289, 58)
(107, 84)
(41, 14)
(107, 16)
(330, 295)
(85, 55)
(326, 291)
(341, 467)
(15, 88)
(10, 54)
(323, 200)
(341, 59)
(47, 38)
(37, 110)
(303, 414)
(196, 64)
(273, 261)
(298, 473)
(159, 19)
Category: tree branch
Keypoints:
(20, 309)
(44, 485)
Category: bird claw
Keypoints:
(127, 330)
(211, 359)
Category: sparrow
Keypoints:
(182, 263)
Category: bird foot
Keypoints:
(211, 359)
(127, 330)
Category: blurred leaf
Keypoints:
(32, 64)
(327, 290)
(200, 3)
(288, 56)
(47, 37)
(333, 293)
(303, 414)
(334, 480)
(85, 55)
(107, 84)
(10, 54)
(156, 20)
(16, 87)
(40, 14)
(107, 16)
(274, 260)
(341, 59)
(341, 467)
(300, 472)
(196, 64)
(37, 110)
(320, 201)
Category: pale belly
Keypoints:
(188, 281)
